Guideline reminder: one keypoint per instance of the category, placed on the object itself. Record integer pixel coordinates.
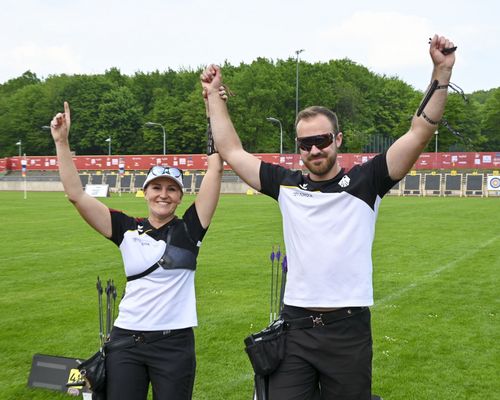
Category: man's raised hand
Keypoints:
(442, 51)
(211, 78)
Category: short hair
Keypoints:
(313, 111)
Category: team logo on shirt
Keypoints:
(301, 194)
(344, 182)
(141, 242)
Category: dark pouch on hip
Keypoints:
(266, 348)
(93, 371)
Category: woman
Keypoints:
(158, 312)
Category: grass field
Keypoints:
(436, 281)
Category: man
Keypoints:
(329, 222)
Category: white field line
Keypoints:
(431, 275)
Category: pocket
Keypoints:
(357, 325)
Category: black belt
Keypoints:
(143, 337)
(323, 319)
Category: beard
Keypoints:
(323, 168)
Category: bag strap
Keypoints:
(156, 265)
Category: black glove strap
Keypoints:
(430, 121)
(210, 140)
(427, 96)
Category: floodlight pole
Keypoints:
(109, 145)
(276, 120)
(436, 134)
(297, 52)
(150, 124)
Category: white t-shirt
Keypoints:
(165, 298)
(328, 229)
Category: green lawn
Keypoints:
(436, 280)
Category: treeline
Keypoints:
(372, 109)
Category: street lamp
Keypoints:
(151, 124)
(436, 148)
(20, 143)
(275, 120)
(297, 52)
(109, 145)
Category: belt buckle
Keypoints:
(139, 338)
(317, 321)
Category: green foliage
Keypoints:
(490, 123)
(115, 105)
(435, 320)
(465, 118)
(22, 116)
(12, 85)
(119, 119)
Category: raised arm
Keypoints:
(208, 195)
(405, 151)
(246, 165)
(92, 210)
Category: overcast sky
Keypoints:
(389, 37)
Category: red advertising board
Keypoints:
(426, 161)
(3, 165)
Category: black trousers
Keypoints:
(337, 357)
(169, 364)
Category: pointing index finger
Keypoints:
(66, 109)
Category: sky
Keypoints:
(51, 37)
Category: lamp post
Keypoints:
(436, 149)
(109, 145)
(151, 124)
(297, 52)
(275, 120)
(20, 143)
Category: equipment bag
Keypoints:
(93, 371)
(266, 348)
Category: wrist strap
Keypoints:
(430, 121)
(210, 140)
(435, 86)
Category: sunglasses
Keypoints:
(158, 170)
(320, 141)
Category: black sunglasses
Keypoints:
(320, 141)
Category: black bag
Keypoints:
(93, 371)
(266, 348)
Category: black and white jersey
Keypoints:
(165, 298)
(328, 230)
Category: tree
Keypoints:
(21, 118)
(13, 85)
(119, 118)
(370, 108)
(490, 123)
